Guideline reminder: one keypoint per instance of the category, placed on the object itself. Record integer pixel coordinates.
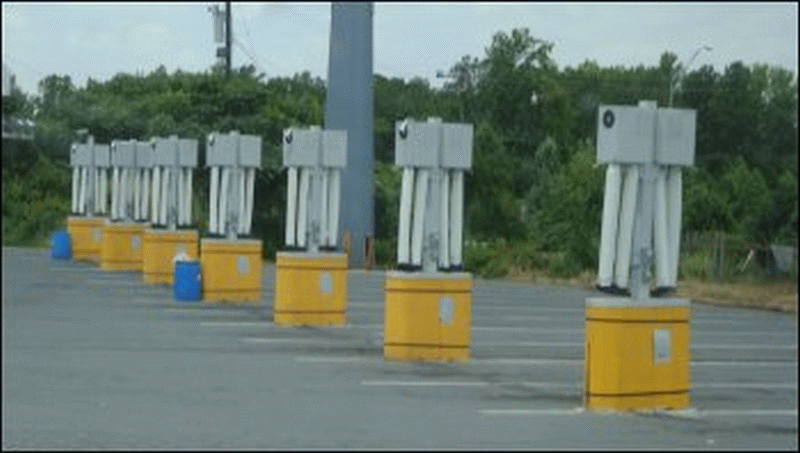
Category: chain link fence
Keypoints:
(720, 256)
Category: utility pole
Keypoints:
(223, 52)
(227, 38)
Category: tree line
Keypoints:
(534, 181)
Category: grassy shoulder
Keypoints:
(777, 296)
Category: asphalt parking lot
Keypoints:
(95, 360)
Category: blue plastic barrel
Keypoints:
(186, 282)
(60, 245)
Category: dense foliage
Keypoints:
(534, 180)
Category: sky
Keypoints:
(100, 40)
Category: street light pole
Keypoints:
(676, 78)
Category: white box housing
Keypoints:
(187, 152)
(79, 155)
(123, 153)
(102, 156)
(164, 152)
(221, 150)
(233, 150)
(675, 136)
(417, 144)
(625, 134)
(301, 147)
(457, 146)
(249, 151)
(144, 154)
(334, 149)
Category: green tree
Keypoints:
(568, 212)
(491, 208)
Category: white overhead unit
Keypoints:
(314, 159)
(123, 163)
(102, 162)
(434, 157)
(645, 148)
(232, 160)
(173, 162)
(90, 163)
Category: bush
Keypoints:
(385, 253)
(694, 265)
(35, 202)
(562, 265)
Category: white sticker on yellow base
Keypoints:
(241, 264)
(325, 283)
(661, 346)
(446, 311)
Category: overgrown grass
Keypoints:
(499, 258)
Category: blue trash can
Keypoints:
(60, 245)
(186, 283)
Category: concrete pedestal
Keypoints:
(231, 270)
(637, 354)
(427, 316)
(310, 289)
(86, 234)
(159, 247)
(122, 246)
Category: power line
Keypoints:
(252, 59)
(250, 40)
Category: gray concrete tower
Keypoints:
(349, 107)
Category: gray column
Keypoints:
(349, 106)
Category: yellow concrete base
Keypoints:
(427, 316)
(637, 356)
(122, 246)
(159, 247)
(310, 289)
(231, 270)
(86, 234)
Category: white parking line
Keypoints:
(487, 307)
(694, 414)
(575, 411)
(77, 269)
(307, 341)
(747, 363)
(565, 385)
(195, 307)
(744, 385)
(745, 346)
(379, 383)
(751, 412)
(116, 282)
(424, 384)
(569, 316)
(739, 333)
(308, 359)
(369, 326)
(545, 344)
(507, 329)
(694, 320)
(520, 344)
(524, 361)
(238, 324)
(569, 311)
